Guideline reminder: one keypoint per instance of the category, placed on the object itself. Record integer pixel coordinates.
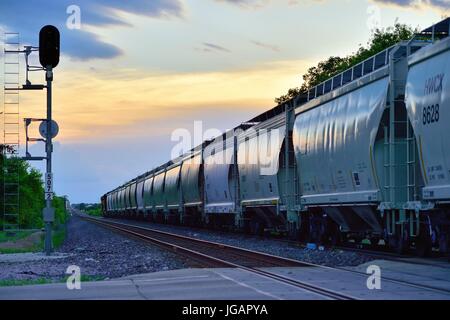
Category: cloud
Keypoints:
(28, 17)
(120, 117)
(211, 47)
(443, 5)
(127, 102)
(266, 45)
(82, 45)
(247, 4)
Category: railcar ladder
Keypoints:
(291, 181)
(411, 162)
(396, 99)
(411, 159)
(11, 133)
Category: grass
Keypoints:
(58, 237)
(35, 248)
(27, 282)
(87, 278)
(96, 212)
(23, 282)
(17, 236)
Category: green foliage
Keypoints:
(31, 195)
(34, 248)
(58, 238)
(26, 282)
(380, 40)
(59, 203)
(93, 209)
(23, 282)
(19, 235)
(79, 206)
(31, 192)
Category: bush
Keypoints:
(59, 203)
(31, 196)
(94, 210)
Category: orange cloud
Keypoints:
(101, 104)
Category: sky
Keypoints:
(133, 72)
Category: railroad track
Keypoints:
(212, 254)
(382, 254)
(390, 256)
(404, 258)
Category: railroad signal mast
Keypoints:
(49, 51)
(49, 44)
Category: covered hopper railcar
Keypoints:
(364, 155)
(428, 106)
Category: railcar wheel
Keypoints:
(424, 243)
(374, 242)
(443, 244)
(335, 237)
(256, 227)
(316, 232)
(311, 235)
(293, 232)
(402, 244)
(303, 230)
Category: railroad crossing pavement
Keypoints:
(237, 284)
(433, 274)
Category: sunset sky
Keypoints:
(137, 70)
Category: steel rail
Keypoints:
(211, 261)
(283, 260)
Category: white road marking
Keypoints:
(247, 286)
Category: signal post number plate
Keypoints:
(48, 186)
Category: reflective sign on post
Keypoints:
(48, 186)
(53, 127)
(49, 214)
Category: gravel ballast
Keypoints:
(103, 254)
(99, 252)
(327, 257)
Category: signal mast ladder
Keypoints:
(11, 133)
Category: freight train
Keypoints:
(364, 155)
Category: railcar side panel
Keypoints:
(140, 195)
(190, 180)
(127, 197)
(258, 158)
(148, 190)
(333, 147)
(158, 191)
(116, 201)
(133, 203)
(171, 188)
(428, 105)
(120, 200)
(218, 182)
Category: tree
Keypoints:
(31, 195)
(380, 40)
